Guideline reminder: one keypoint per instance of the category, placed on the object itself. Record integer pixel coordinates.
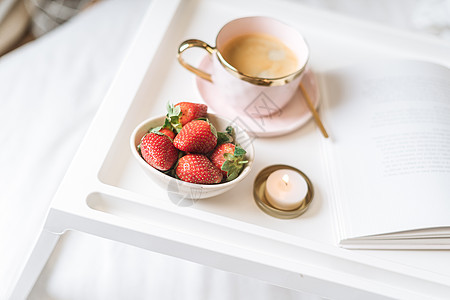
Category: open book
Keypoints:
(388, 158)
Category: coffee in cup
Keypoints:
(260, 55)
(253, 56)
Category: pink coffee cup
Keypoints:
(240, 89)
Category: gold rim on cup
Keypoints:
(251, 79)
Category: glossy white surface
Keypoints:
(60, 95)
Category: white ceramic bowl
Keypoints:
(181, 188)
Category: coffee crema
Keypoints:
(260, 55)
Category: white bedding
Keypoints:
(50, 90)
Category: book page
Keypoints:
(389, 123)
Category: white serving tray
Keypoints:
(230, 232)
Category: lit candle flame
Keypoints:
(285, 179)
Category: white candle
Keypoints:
(286, 189)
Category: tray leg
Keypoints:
(35, 263)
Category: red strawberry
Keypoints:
(197, 168)
(158, 151)
(191, 111)
(184, 112)
(198, 136)
(230, 159)
(167, 132)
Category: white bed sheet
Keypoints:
(50, 90)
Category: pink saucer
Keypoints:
(290, 117)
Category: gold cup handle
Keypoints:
(190, 44)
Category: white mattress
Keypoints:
(50, 90)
